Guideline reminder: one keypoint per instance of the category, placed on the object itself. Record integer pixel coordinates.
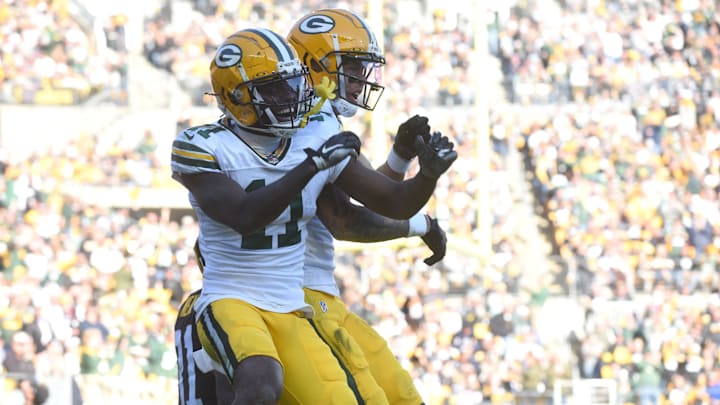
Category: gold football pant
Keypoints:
(345, 333)
(232, 330)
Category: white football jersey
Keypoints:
(264, 268)
(320, 258)
(320, 250)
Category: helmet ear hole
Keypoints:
(235, 96)
(316, 66)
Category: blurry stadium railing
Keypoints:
(585, 391)
(533, 398)
(26, 129)
(110, 390)
(95, 389)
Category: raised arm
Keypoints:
(403, 150)
(400, 200)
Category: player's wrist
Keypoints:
(396, 162)
(418, 224)
(312, 162)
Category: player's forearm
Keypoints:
(360, 224)
(414, 194)
(386, 170)
(387, 197)
(264, 204)
(401, 200)
(246, 211)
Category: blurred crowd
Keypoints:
(182, 43)
(621, 136)
(624, 168)
(50, 56)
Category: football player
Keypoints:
(197, 384)
(253, 179)
(338, 45)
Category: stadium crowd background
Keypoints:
(611, 113)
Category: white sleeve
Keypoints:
(193, 151)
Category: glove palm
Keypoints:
(436, 156)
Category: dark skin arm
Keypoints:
(400, 200)
(355, 223)
(404, 143)
(386, 170)
(347, 221)
(393, 199)
(225, 201)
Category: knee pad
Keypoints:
(353, 359)
(259, 392)
(343, 345)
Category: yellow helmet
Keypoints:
(339, 45)
(259, 82)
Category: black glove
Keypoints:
(436, 240)
(435, 156)
(404, 145)
(335, 149)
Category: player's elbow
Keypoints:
(336, 225)
(403, 212)
(241, 223)
(244, 226)
(341, 233)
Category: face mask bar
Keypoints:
(369, 75)
(280, 101)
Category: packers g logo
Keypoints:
(317, 24)
(228, 55)
(323, 306)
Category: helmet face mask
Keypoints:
(358, 80)
(339, 45)
(279, 101)
(259, 82)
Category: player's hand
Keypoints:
(334, 150)
(436, 156)
(404, 144)
(436, 240)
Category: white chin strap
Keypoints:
(276, 131)
(283, 132)
(344, 108)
